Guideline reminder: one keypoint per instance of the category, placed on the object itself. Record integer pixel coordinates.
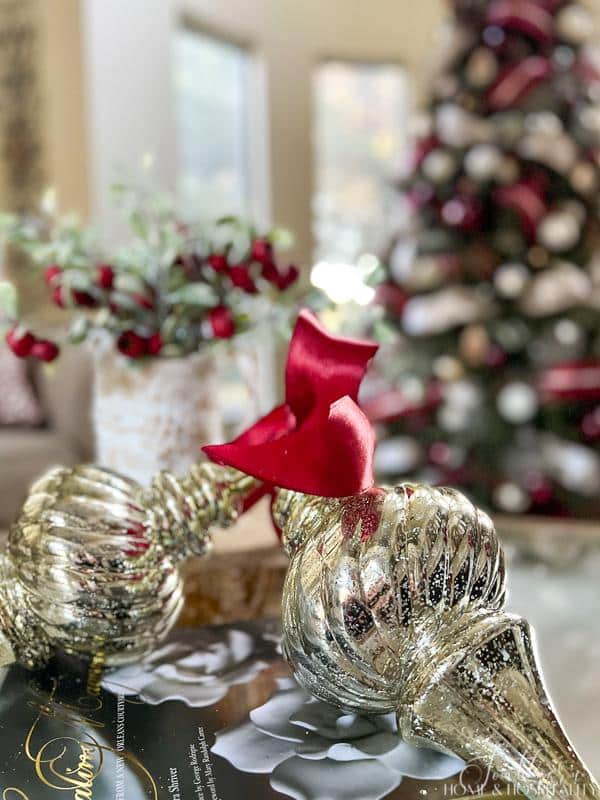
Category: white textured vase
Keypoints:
(155, 415)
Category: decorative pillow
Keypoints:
(18, 403)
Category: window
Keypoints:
(211, 88)
(359, 146)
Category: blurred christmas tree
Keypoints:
(496, 385)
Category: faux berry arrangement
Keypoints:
(172, 290)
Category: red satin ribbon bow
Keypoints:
(319, 441)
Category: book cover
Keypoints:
(214, 714)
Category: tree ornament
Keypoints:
(507, 171)
(574, 466)
(589, 117)
(584, 178)
(474, 345)
(463, 212)
(439, 166)
(461, 403)
(494, 36)
(559, 231)
(546, 141)
(443, 310)
(526, 200)
(448, 368)
(517, 402)
(526, 17)
(481, 68)
(459, 128)
(574, 23)
(563, 58)
(590, 425)
(510, 280)
(398, 455)
(555, 290)
(511, 497)
(482, 162)
(572, 381)
(516, 81)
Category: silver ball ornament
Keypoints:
(559, 231)
(517, 402)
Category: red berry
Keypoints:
(271, 273)
(105, 276)
(52, 273)
(154, 344)
(222, 322)
(57, 297)
(218, 262)
(20, 342)
(287, 278)
(143, 301)
(262, 251)
(83, 299)
(132, 345)
(45, 350)
(240, 277)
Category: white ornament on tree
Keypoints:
(482, 162)
(512, 498)
(482, 68)
(510, 280)
(517, 402)
(445, 309)
(575, 23)
(458, 128)
(559, 231)
(439, 166)
(557, 289)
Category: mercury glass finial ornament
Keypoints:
(393, 602)
(91, 564)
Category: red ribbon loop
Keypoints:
(319, 441)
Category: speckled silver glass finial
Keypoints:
(393, 601)
(91, 564)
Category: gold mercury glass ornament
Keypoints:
(91, 563)
(393, 602)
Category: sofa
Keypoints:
(65, 393)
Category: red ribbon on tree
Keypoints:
(394, 405)
(526, 199)
(523, 16)
(319, 441)
(516, 81)
(577, 381)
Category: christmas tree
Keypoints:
(495, 295)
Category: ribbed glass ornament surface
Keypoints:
(393, 602)
(91, 566)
